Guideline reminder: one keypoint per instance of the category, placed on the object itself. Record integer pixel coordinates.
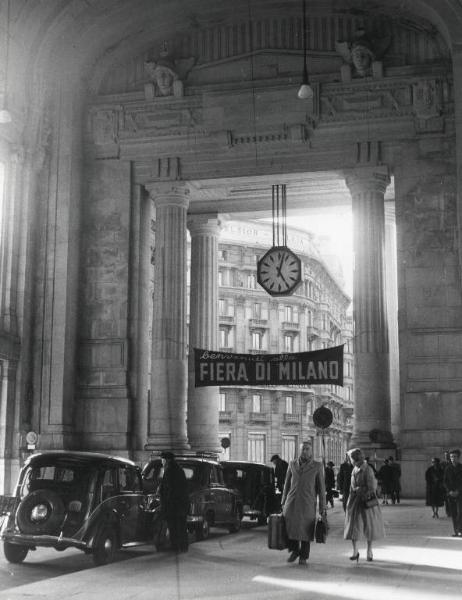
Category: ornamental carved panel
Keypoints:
(429, 216)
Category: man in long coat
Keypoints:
(174, 502)
(304, 486)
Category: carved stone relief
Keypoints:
(429, 215)
(166, 74)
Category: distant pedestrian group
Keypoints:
(444, 488)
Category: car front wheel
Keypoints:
(203, 530)
(14, 553)
(105, 546)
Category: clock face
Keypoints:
(279, 271)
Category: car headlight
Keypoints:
(39, 513)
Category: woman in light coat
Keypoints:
(360, 521)
(304, 485)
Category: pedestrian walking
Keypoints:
(363, 517)
(453, 484)
(329, 479)
(344, 479)
(280, 471)
(385, 479)
(303, 489)
(444, 464)
(395, 491)
(174, 501)
(435, 492)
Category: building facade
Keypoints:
(267, 420)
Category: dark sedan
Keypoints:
(212, 503)
(84, 500)
(255, 482)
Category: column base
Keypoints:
(163, 443)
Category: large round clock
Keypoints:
(279, 271)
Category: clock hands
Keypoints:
(279, 271)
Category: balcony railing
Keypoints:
(259, 417)
(226, 318)
(292, 417)
(258, 323)
(290, 326)
(225, 415)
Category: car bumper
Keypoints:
(252, 514)
(46, 541)
(195, 519)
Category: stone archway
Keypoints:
(410, 121)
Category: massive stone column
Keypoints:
(167, 414)
(391, 285)
(371, 359)
(203, 328)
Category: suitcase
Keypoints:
(277, 536)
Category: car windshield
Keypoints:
(57, 475)
(248, 479)
(195, 474)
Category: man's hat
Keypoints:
(275, 457)
(167, 455)
(330, 463)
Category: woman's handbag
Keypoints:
(371, 501)
(320, 530)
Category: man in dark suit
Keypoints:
(280, 470)
(344, 479)
(453, 483)
(174, 501)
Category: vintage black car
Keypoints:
(255, 482)
(212, 503)
(83, 500)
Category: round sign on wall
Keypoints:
(322, 417)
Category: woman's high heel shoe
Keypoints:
(355, 557)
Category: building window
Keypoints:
(251, 281)
(222, 402)
(256, 447)
(309, 407)
(309, 318)
(225, 308)
(291, 314)
(223, 254)
(257, 310)
(220, 278)
(257, 339)
(289, 405)
(224, 337)
(289, 447)
(256, 403)
(288, 343)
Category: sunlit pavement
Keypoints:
(418, 560)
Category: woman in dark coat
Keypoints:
(435, 492)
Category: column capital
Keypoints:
(367, 179)
(169, 193)
(204, 224)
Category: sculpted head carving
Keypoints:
(162, 72)
(362, 55)
(361, 51)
